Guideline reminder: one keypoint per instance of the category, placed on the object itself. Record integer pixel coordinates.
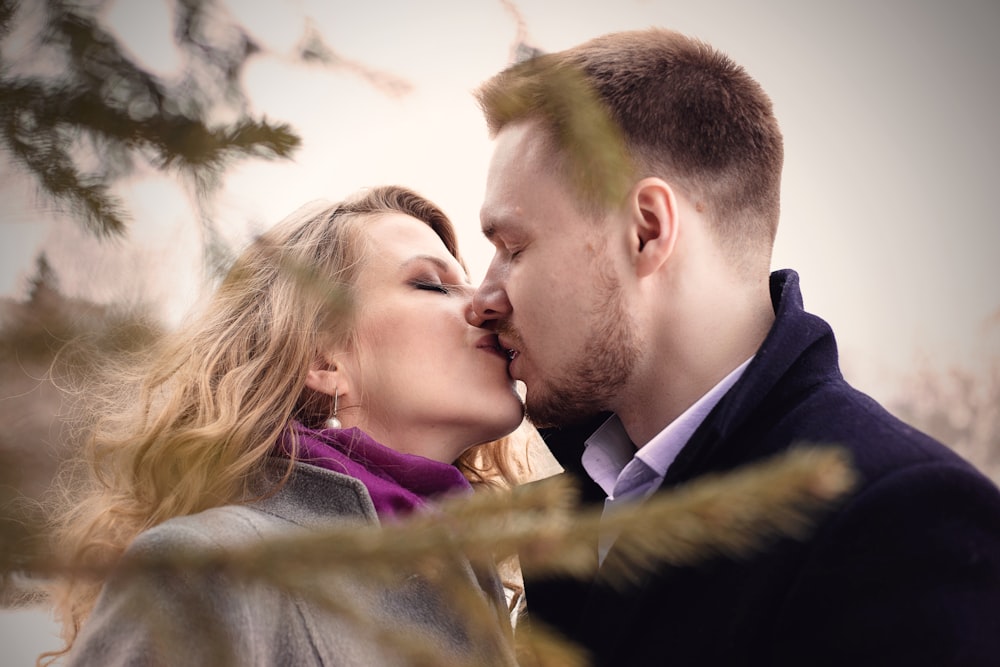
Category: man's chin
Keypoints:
(563, 413)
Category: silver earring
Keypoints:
(333, 422)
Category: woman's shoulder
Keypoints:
(217, 527)
(310, 497)
(313, 497)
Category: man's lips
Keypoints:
(509, 350)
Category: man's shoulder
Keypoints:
(836, 413)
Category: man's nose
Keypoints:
(489, 304)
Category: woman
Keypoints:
(332, 378)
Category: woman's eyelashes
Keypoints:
(433, 286)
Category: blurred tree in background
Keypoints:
(960, 406)
(32, 333)
(36, 436)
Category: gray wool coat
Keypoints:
(177, 619)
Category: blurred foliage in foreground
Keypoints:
(728, 516)
(77, 111)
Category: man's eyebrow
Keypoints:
(494, 226)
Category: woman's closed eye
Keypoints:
(433, 286)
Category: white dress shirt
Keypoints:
(631, 474)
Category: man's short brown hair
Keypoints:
(682, 111)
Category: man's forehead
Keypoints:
(513, 176)
(524, 140)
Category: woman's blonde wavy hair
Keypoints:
(190, 425)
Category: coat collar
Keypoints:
(798, 353)
(310, 496)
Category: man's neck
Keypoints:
(690, 357)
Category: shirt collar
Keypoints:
(609, 450)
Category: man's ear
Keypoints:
(327, 377)
(654, 217)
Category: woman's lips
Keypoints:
(491, 344)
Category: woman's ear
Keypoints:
(655, 224)
(327, 377)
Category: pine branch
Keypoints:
(732, 515)
(597, 162)
(104, 101)
(314, 50)
(43, 152)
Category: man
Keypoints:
(633, 200)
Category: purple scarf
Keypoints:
(398, 483)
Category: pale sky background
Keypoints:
(888, 108)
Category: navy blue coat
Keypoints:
(905, 572)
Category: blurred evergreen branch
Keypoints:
(78, 124)
(314, 49)
(732, 515)
(591, 145)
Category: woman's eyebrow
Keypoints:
(445, 267)
(416, 259)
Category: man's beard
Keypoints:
(593, 381)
